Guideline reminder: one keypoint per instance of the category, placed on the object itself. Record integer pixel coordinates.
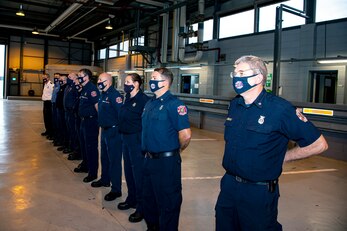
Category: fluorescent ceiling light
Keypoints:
(189, 68)
(130, 71)
(149, 70)
(331, 61)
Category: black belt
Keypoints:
(158, 155)
(270, 183)
(87, 117)
(106, 128)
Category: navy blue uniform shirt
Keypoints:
(88, 98)
(70, 96)
(256, 136)
(109, 105)
(60, 97)
(131, 112)
(162, 119)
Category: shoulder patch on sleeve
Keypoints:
(93, 93)
(300, 115)
(119, 99)
(182, 110)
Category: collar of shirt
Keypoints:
(258, 101)
(164, 96)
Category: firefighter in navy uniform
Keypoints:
(130, 128)
(76, 155)
(89, 129)
(165, 133)
(111, 144)
(257, 130)
(70, 96)
(62, 130)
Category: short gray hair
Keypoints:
(254, 62)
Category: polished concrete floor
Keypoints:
(39, 190)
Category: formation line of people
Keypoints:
(151, 133)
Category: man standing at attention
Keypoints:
(165, 134)
(109, 105)
(89, 129)
(257, 130)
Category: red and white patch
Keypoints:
(182, 110)
(93, 93)
(300, 115)
(119, 100)
(239, 85)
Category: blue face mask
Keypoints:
(128, 88)
(154, 85)
(241, 84)
(101, 85)
(80, 79)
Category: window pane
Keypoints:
(267, 16)
(208, 30)
(112, 52)
(124, 47)
(330, 10)
(193, 39)
(237, 24)
(102, 53)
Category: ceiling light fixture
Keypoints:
(20, 12)
(332, 60)
(189, 68)
(109, 26)
(35, 31)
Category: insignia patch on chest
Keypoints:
(119, 100)
(300, 115)
(93, 93)
(261, 119)
(182, 110)
(134, 104)
(161, 107)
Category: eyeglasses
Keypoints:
(242, 73)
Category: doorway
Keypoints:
(323, 86)
(190, 83)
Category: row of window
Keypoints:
(243, 23)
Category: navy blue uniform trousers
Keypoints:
(89, 132)
(133, 168)
(71, 128)
(246, 206)
(47, 117)
(162, 192)
(111, 158)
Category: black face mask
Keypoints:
(56, 80)
(61, 82)
(80, 79)
(101, 85)
(45, 80)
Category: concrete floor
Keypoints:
(39, 190)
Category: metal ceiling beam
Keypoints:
(151, 2)
(63, 16)
(26, 3)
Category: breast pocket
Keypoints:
(259, 133)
